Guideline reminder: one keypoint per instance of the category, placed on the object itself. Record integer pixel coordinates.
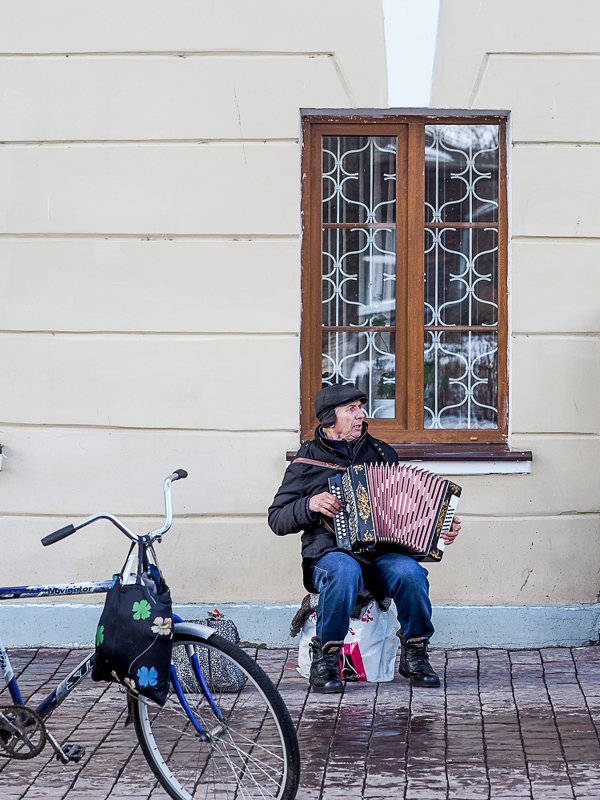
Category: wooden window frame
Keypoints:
(410, 289)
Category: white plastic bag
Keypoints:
(370, 646)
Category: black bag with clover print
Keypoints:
(134, 638)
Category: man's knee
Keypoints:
(415, 572)
(338, 569)
(413, 577)
(404, 573)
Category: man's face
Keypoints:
(348, 422)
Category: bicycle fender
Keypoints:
(194, 628)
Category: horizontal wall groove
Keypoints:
(151, 519)
(556, 334)
(7, 143)
(536, 237)
(544, 54)
(584, 335)
(556, 434)
(130, 335)
(143, 519)
(556, 143)
(151, 237)
(247, 236)
(173, 54)
(143, 429)
(6, 425)
(531, 517)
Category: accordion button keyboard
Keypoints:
(340, 523)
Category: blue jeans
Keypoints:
(339, 578)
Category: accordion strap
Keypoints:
(319, 463)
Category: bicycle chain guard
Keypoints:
(22, 732)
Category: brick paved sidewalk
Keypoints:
(506, 724)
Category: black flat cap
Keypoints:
(340, 394)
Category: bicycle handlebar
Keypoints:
(62, 533)
(56, 536)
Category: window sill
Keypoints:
(462, 459)
(467, 459)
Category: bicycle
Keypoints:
(209, 739)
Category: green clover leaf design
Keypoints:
(141, 609)
(99, 635)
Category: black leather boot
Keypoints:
(325, 675)
(414, 664)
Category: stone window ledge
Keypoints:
(462, 459)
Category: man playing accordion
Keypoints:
(304, 503)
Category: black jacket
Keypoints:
(288, 512)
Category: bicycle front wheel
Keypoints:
(234, 739)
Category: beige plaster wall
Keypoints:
(149, 267)
(535, 538)
(149, 272)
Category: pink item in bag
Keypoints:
(351, 663)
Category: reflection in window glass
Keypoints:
(359, 276)
(367, 360)
(359, 179)
(461, 384)
(461, 276)
(461, 173)
(358, 272)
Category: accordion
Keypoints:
(393, 504)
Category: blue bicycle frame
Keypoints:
(56, 697)
(74, 678)
(62, 691)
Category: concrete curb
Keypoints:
(65, 624)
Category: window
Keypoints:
(404, 249)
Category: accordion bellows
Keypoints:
(393, 504)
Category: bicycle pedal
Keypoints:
(74, 752)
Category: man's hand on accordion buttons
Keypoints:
(453, 532)
(324, 503)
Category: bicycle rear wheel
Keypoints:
(246, 746)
